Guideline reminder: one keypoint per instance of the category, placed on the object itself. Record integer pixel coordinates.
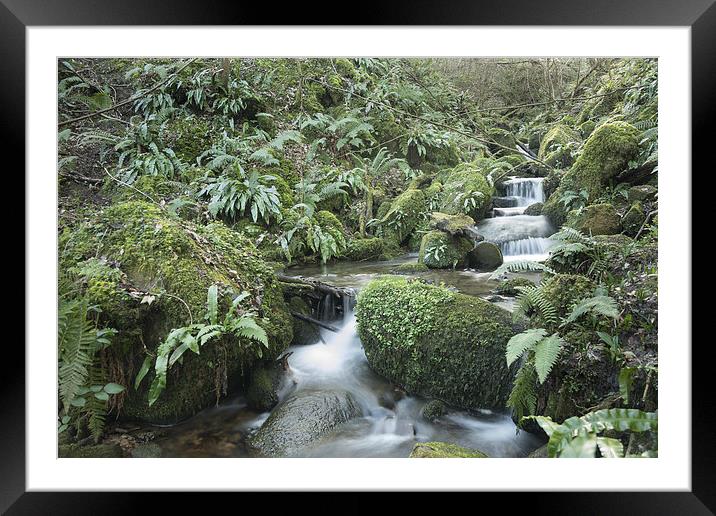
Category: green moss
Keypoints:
(453, 224)
(633, 219)
(411, 268)
(606, 153)
(439, 450)
(359, 249)
(95, 451)
(435, 342)
(597, 219)
(553, 149)
(433, 410)
(177, 262)
(440, 250)
(466, 191)
(303, 331)
(403, 216)
(564, 290)
(188, 137)
(261, 393)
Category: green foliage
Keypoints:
(81, 393)
(579, 436)
(520, 266)
(237, 323)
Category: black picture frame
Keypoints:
(699, 15)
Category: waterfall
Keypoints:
(520, 193)
(520, 236)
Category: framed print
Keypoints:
(301, 258)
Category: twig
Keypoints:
(129, 100)
(129, 186)
(646, 219)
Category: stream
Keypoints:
(391, 423)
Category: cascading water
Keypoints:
(520, 237)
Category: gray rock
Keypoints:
(485, 256)
(301, 420)
(147, 451)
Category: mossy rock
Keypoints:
(403, 215)
(642, 193)
(551, 182)
(262, 391)
(606, 153)
(485, 256)
(596, 219)
(95, 451)
(466, 183)
(188, 137)
(439, 250)
(303, 331)
(554, 148)
(453, 224)
(433, 410)
(360, 249)
(534, 209)
(435, 342)
(175, 261)
(508, 287)
(564, 290)
(633, 219)
(411, 268)
(439, 450)
(587, 128)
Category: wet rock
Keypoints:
(438, 450)
(90, 451)
(642, 193)
(534, 209)
(301, 420)
(147, 451)
(597, 219)
(504, 202)
(434, 410)
(453, 224)
(485, 256)
(262, 393)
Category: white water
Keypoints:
(520, 237)
(391, 422)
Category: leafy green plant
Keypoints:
(572, 200)
(237, 323)
(579, 437)
(82, 393)
(231, 198)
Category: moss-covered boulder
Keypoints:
(606, 153)
(485, 256)
(466, 190)
(440, 450)
(435, 342)
(439, 250)
(403, 216)
(552, 181)
(534, 209)
(509, 287)
(597, 219)
(303, 331)
(262, 391)
(410, 268)
(433, 410)
(633, 219)
(96, 451)
(453, 224)
(564, 290)
(145, 252)
(642, 193)
(360, 249)
(301, 420)
(147, 451)
(555, 146)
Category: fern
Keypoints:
(531, 298)
(523, 342)
(579, 436)
(598, 305)
(520, 266)
(546, 352)
(523, 397)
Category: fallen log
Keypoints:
(309, 319)
(316, 285)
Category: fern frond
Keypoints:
(520, 266)
(523, 397)
(523, 342)
(600, 305)
(546, 353)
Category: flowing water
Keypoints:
(391, 423)
(520, 237)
